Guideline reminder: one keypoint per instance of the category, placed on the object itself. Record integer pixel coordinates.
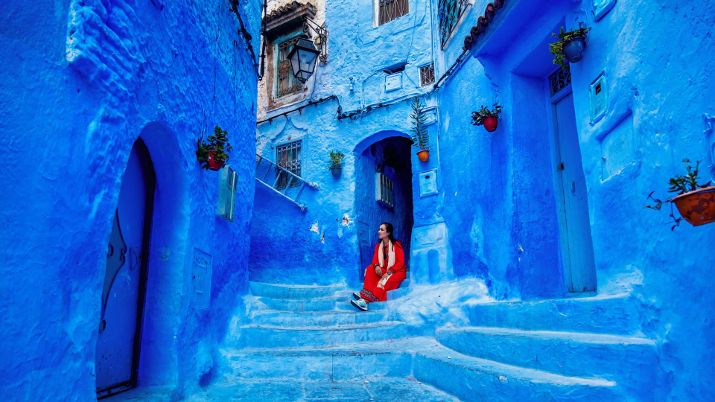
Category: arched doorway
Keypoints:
(383, 191)
(124, 290)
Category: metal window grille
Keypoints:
(227, 193)
(286, 83)
(384, 190)
(427, 74)
(450, 11)
(560, 79)
(288, 157)
(392, 9)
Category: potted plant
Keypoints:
(336, 163)
(695, 201)
(569, 46)
(420, 137)
(213, 153)
(489, 118)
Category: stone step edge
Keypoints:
(557, 301)
(350, 327)
(581, 337)
(263, 312)
(298, 286)
(453, 357)
(403, 345)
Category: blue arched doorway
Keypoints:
(124, 290)
(383, 191)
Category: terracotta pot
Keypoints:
(573, 49)
(215, 164)
(423, 155)
(490, 123)
(697, 207)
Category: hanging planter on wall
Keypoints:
(695, 201)
(489, 118)
(212, 154)
(569, 46)
(420, 136)
(336, 163)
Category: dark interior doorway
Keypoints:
(383, 193)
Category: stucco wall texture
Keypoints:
(495, 216)
(81, 81)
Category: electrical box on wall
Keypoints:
(226, 193)
(598, 98)
(201, 279)
(393, 82)
(428, 183)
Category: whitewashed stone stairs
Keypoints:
(586, 349)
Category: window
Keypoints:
(384, 190)
(389, 10)
(227, 193)
(286, 83)
(560, 79)
(427, 74)
(450, 11)
(288, 157)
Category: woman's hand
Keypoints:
(378, 270)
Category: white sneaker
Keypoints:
(360, 303)
(357, 296)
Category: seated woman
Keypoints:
(385, 272)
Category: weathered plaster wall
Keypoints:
(81, 81)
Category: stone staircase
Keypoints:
(309, 337)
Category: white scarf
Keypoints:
(390, 262)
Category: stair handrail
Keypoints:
(312, 185)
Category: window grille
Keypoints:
(227, 193)
(560, 79)
(427, 74)
(384, 190)
(288, 157)
(392, 9)
(450, 11)
(286, 83)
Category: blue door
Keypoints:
(125, 277)
(575, 228)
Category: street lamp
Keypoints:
(302, 58)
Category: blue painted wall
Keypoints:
(496, 214)
(80, 82)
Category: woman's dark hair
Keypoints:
(390, 230)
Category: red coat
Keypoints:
(372, 291)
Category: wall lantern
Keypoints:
(305, 52)
(302, 58)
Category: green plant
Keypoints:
(217, 143)
(679, 185)
(420, 136)
(484, 112)
(336, 159)
(557, 48)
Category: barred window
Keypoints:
(288, 157)
(560, 79)
(286, 83)
(450, 11)
(389, 10)
(427, 74)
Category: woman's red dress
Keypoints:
(372, 291)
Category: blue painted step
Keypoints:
(316, 318)
(475, 379)
(380, 390)
(616, 314)
(631, 361)
(340, 302)
(279, 291)
(278, 336)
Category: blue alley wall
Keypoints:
(495, 215)
(81, 81)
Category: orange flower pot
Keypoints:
(423, 155)
(697, 207)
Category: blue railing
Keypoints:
(282, 181)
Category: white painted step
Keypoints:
(475, 379)
(632, 361)
(611, 314)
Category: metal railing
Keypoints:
(282, 180)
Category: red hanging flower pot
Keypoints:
(490, 123)
(423, 155)
(697, 207)
(215, 163)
